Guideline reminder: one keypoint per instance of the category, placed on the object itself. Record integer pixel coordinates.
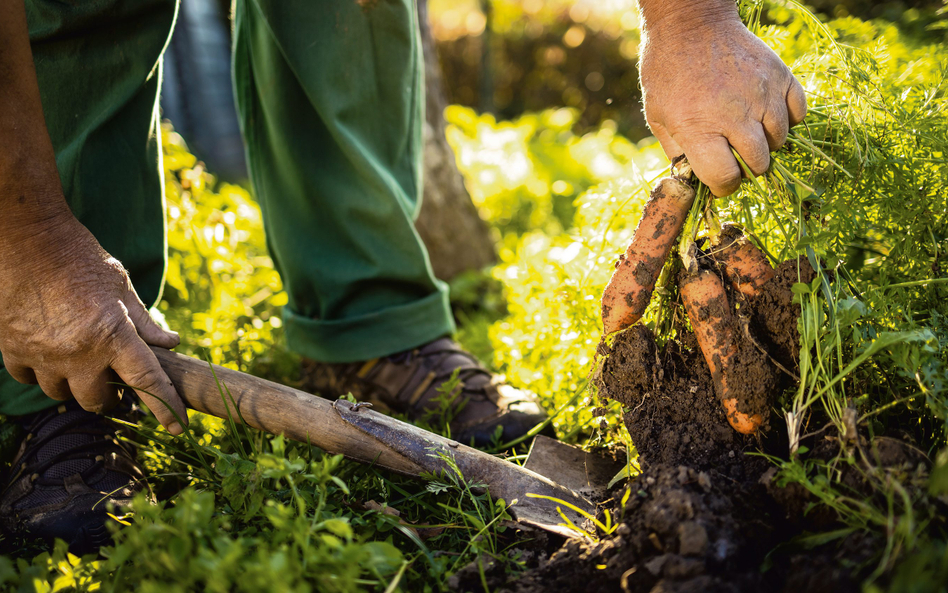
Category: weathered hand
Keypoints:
(709, 83)
(71, 321)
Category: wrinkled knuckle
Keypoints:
(725, 176)
(758, 158)
(724, 183)
(758, 151)
(11, 361)
(118, 274)
(147, 379)
(774, 142)
(698, 127)
(20, 373)
(796, 104)
(53, 391)
(777, 134)
(113, 328)
(799, 113)
(116, 265)
(776, 120)
(761, 167)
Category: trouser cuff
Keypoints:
(376, 335)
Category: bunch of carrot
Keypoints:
(711, 312)
(732, 262)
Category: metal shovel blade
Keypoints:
(583, 472)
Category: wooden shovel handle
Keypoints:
(276, 409)
(366, 436)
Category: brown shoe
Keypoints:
(73, 471)
(409, 382)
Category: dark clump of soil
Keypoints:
(674, 416)
(774, 319)
(683, 530)
(673, 413)
(703, 515)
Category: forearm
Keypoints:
(684, 16)
(30, 191)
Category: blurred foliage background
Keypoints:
(507, 57)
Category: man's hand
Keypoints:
(710, 84)
(69, 317)
(71, 321)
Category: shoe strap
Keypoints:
(411, 378)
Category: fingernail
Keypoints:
(175, 428)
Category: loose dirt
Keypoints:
(674, 416)
(704, 513)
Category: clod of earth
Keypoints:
(703, 515)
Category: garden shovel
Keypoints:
(367, 436)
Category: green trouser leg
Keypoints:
(331, 106)
(331, 97)
(97, 62)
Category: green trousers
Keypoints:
(330, 95)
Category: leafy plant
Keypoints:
(222, 295)
(859, 193)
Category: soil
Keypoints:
(674, 416)
(703, 515)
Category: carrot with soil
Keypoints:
(746, 266)
(742, 377)
(708, 309)
(630, 288)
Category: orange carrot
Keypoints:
(746, 267)
(630, 289)
(710, 314)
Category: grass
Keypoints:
(860, 192)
